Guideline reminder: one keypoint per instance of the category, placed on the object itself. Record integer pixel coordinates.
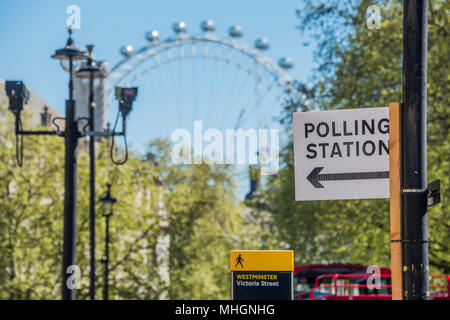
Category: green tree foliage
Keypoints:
(31, 216)
(193, 205)
(205, 222)
(358, 68)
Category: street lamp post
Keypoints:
(91, 70)
(107, 202)
(18, 96)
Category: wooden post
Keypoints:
(395, 199)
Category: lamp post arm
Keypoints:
(40, 133)
(101, 134)
(19, 130)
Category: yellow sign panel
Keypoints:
(261, 260)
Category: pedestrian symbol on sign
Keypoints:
(239, 261)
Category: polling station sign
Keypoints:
(341, 154)
(262, 274)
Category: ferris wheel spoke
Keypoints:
(180, 96)
(200, 89)
(220, 104)
(223, 80)
(194, 83)
(238, 84)
(218, 97)
(238, 121)
(213, 85)
(162, 87)
(174, 86)
(194, 93)
(257, 106)
(236, 95)
(252, 99)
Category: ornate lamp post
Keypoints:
(108, 203)
(71, 53)
(91, 70)
(18, 95)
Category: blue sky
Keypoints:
(30, 31)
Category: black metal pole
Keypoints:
(105, 289)
(92, 183)
(414, 151)
(70, 205)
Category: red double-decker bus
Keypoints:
(350, 282)
(305, 276)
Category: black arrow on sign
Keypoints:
(315, 177)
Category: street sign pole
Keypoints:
(414, 154)
(395, 200)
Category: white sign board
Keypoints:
(341, 154)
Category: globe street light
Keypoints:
(70, 52)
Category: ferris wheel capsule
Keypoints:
(262, 44)
(127, 51)
(208, 26)
(179, 27)
(235, 31)
(286, 63)
(152, 36)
